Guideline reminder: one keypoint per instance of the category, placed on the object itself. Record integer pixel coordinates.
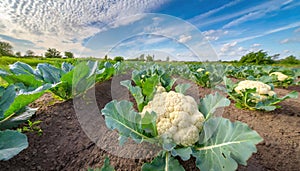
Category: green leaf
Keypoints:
(27, 80)
(148, 88)
(292, 94)
(183, 153)
(210, 103)
(163, 162)
(182, 88)
(228, 144)
(66, 67)
(7, 96)
(167, 82)
(11, 143)
(136, 93)
(121, 116)
(148, 123)
(83, 76)
(20, 117)
(20, 102)
(49, 73)
(19, 68)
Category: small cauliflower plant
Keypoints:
(181, 127)
(281, 80)
(255, 95)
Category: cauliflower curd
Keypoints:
(178, 117)
(280, 76)
(262, 89)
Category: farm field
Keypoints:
(64, 144)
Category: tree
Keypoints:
(142, 57)
(69, 55)
(118, 58)
(52, 53)
(259, 57)
(106, 57)
(6, 49)
(149, 58)
(168, 59)
(29, 53)
(18, 54)
(290, 60)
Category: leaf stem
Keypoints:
(5, 119)
(167, 161)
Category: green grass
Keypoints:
(6, 60)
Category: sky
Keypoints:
(194, 30)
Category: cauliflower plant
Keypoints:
(280, 76)
(178, 117)
(200, 69)
(262, 90)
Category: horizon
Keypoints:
(176, 28)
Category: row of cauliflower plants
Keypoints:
(26, 84)
(254, 93)
(275, 75)
(177, 124)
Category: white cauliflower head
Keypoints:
(262, 90)
(178, 117)
(200, 69)
(280, 76)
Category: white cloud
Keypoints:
(213, 11)
(213, 35)
(256, 45)
(284, 41)
(203, 20)
(290, 26)
(54, 22)
(245, 18)
(228, 46)
(184, 38)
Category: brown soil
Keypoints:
(65, 146)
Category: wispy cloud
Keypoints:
(184, 38)
(256, 45)
(290, 26)
(213, 11)
(213, 35)
(55, 22)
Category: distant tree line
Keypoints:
(259, 57)
(7, 50)
(262, 57)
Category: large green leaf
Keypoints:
(19, 68)
(18, 118)
(49, 73)
(148, 88)
(121, 116)
(20, 102)
(83, 77)
(7, 96)
(136, 92)
(163, 162)
(182, 88)
(11, 143)
(66, 67)
(229, 144)
(148, 123)
(184, 153)
(210, 103)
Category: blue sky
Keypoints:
(182, 30)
